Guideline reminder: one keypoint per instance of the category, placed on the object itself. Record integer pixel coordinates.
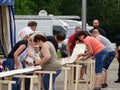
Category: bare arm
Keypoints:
(46, 54)
(68, 49)
(88, 53)
(30, 54)
(16, 54)
(116, 50)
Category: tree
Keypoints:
(108, 12)
(24, 7)
(71, 7)
(29, 7)
(53, 7)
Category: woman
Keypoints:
(111, 55)
(94, 47)
(48, 59)
(16, 56)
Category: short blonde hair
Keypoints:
(27, 37)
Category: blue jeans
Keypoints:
(100, 57)
(109, 59)
(10, 65)
(46, 78)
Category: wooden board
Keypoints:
(19, 71)
(79, 48)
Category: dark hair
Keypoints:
(61, 36)
(39, 37)
(85, 33)
(32, 23)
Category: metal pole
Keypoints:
(84, 14)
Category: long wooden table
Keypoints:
(12, 73)
(19, 71)
(91, 74)
(8, 82)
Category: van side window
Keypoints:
(57, 29)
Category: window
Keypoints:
(58, 29)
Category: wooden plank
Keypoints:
(8, 82)
(78, 49)
(19, 71)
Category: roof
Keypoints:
(37, 17)
(6, 2)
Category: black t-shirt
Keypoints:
(53, 41)
(118, 41)
(101, 31)
(17, 45)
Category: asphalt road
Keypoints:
(112, 76)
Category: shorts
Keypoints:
(100, 57)
(108, 60)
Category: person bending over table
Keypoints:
(48, 59)
(96, 48)
(110, 57)
(13, 60)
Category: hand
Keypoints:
(29, 54)
(36, 63)
(30, 63)
(17, 65)
(83, 59)
(79, 55)
(117, 55)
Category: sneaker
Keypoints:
(97, 89)
(117, 81)
(81, 81)
(104, 85)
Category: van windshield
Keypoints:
(58, 29)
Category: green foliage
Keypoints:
(53, 7)
(28, 7)
(24, 7)
(107, 11)
(71, 7)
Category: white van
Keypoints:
(46, 24)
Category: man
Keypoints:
(70, 46)
(111, 55)
(71, 41)
(31, 27)
(57, 39)
(96, 26)
(118, 57)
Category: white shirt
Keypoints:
(23, 32)
(29, 59)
